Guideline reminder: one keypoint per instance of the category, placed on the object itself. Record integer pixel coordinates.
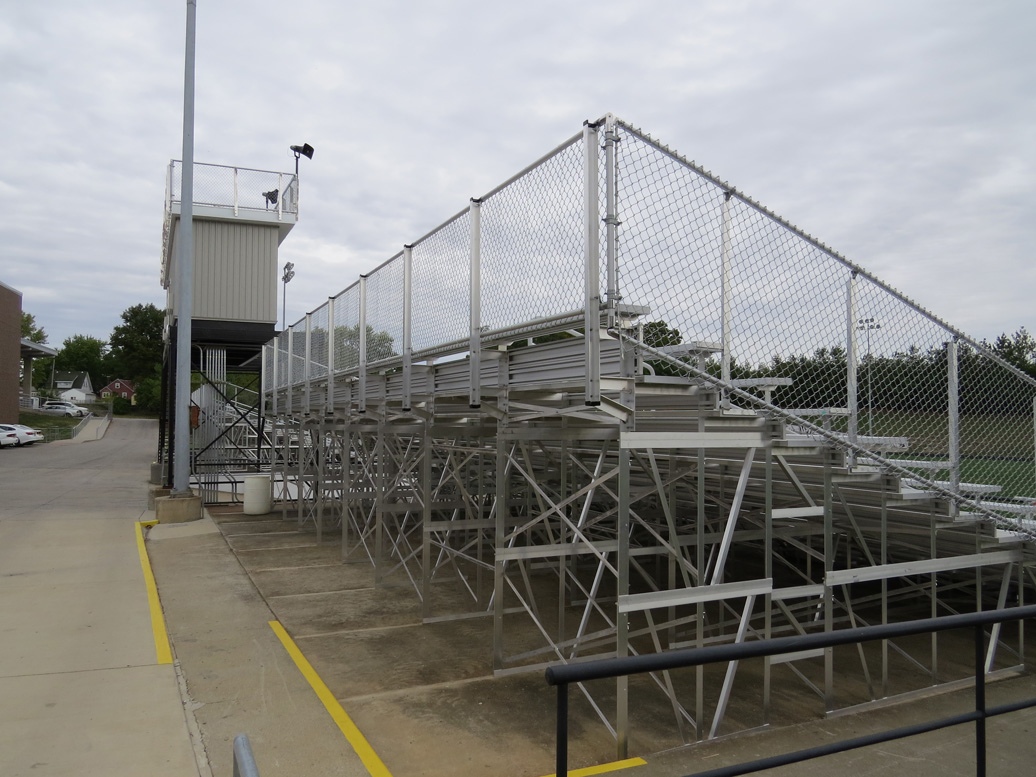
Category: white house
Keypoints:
(74, 386)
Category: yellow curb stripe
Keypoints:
(614, 766)
(163, 652)
(359, 743)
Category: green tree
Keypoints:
(136, 343)
(347, 345)
(148, 392)
(41, 368)
(658, 334)
(1018, 350)
(82, 353)
(30, 331)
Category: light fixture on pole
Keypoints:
(305, 150)
(866, 325)
(289, 273)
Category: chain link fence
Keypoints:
(778, 312)
(760, 306)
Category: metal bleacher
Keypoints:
(616, 407)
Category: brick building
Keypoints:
(10, 352)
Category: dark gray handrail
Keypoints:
(563, 674)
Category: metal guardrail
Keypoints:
(244, 761)
(564, 675)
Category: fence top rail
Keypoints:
(563, 674)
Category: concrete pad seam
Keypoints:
(368, 630)
(80, 671)
(321, 593)
(306, 567)
(264, 550)
(382, 695)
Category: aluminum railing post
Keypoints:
(953, 409)
(475, 306)
(611, 218)
(592, 270)
(727, 299)
(361, 338)
(851, 324)
(290, 382)
(330, 407)
(307, 363)
(408, 268)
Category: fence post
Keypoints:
(330, 356)
(290, 383)
(727, 292)
(592, 260)
(611, 217)
(475, 306)
(275, 375)
(953, 394)
(307, 371)
(280, 200)
(850, 359)
(408, 272)
(361, 340)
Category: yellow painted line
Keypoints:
(614, 766)
(163, 652)
(359, 743)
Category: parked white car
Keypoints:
(8, 438)
(65, 408)
(25, 435)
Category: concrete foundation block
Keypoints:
(153, 493)
(177, 509)
(157, 473)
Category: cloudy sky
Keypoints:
(902, 134)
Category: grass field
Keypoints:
(995, 449)
(54, 427)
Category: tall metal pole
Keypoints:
(185, 274)
(289, 273)
(868, 325)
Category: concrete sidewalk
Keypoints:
(81, 690)
(239, 677)
(94, 428)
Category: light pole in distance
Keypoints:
(866, 325)
(289, 273)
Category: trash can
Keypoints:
(258, 495)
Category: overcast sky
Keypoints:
(901, 133)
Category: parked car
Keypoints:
(26, 434)
(65, 408)
(8, 438)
